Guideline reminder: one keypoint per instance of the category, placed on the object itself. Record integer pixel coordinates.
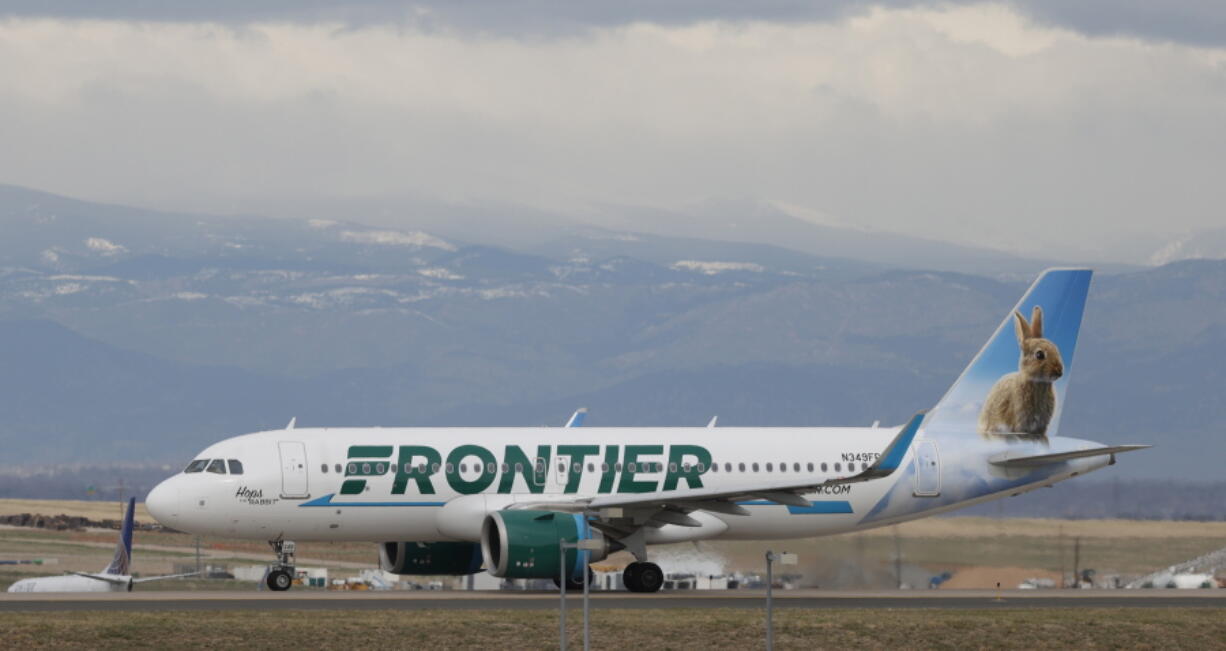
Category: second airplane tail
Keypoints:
(122, 563)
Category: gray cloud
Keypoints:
(1200, 22)
(972, 124)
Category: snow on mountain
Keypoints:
(396, 238)
(712, 268)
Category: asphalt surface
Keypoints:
(812, 599)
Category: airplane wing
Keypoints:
(1008, 460)
(671, 506)
(145, 579)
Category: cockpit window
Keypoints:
(236, 467)
(196, 466)
(218, 466)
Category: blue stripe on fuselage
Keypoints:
(326, 500)
(814, 508)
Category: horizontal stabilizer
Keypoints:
(1008, 460)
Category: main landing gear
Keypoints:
(281, 575)
(643, 577)
(575, 583)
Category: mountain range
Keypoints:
(128, 334)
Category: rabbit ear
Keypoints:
(1036, 322)
(1023, 328)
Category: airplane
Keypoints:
(451, 501)
(114, 578)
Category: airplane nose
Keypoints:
(163, 503)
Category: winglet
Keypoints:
(892, 457)
(576, 419)
(123, 551)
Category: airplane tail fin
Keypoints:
(122, 563)
(1015, 386)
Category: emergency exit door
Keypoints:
(293, 470)
(927, 469)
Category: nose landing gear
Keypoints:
(281, 575)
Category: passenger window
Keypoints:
(323, 467)
(451, 470)
(740, 466)
(837, 468)
(489, 467)
(810, 466)
(796, 467)
(464, 468)
(714, 467)
(217, 466)
(236, 467)
(604, 467)
(770, 467)
(196, 466)
(618, 468)
(379, 469)
(366, 471)
(823, 470)
(434, 467)
(519, 468)
(337, 467)
(755, 469)
(353, 468)
(783, 467)
(591, 467)
(727, 467)
(630, 467)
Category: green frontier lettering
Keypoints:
(485, 467)
(515, 462)
(631, 465)
(419, 472)
(577, 454)
(677, 468)
(418, 463)
(365, 468)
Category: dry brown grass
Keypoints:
(1164, 628)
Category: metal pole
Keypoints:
(562, 590)
(770, 582)
(587, 637)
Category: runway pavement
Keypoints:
(460, 600)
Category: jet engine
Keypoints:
(524, 544)
(433, 558)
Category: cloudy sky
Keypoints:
(1089, 130)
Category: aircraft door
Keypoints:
(293, 470)
(927, 469)
(561, 474)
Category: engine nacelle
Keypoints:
(524, 544)
(434, 558)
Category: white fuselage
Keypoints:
(71, 583)
(328, 484)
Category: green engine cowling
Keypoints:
(524, 544)
(430, 559)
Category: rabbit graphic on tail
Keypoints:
(1021, 404)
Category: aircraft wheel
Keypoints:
(575, 583)
(279, 580)
(650, 577)
(643, 577)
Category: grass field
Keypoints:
(978, 551)
(1166, 628)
